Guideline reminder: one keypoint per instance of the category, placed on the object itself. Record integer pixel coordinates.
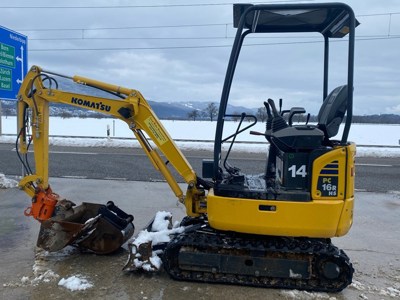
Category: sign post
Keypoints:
(13, 64)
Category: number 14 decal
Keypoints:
(301, 171)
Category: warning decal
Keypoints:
(155, 129)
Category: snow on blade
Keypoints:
(74, 283)
(161, 233)
(162, 221)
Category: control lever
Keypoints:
(295, 111)
(308, 118)
(257, 133)
(273, 107)
(278, 123)
(268, 126)
(268, 110)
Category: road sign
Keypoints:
(13, 62)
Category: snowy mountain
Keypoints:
(180, 110)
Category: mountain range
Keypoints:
(164, 110)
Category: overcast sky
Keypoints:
(168, 60)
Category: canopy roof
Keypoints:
(330, 19)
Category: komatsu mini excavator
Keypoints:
(267, 230)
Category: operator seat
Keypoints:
(304, 138)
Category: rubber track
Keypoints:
(208, 240)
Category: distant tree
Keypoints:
(7, 111)
(193, 114)
(211, 111)
(236, 116)
(262, 114)
(97, 115)
(203, 114)
(65, 114)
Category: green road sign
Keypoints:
(7, 55)
(5, 79)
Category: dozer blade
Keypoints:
(95, 227)
(147, 248)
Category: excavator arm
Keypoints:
(60, 223)
(39, 88)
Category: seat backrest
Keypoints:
(332, 111)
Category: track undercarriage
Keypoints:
(207, 255)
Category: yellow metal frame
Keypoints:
(322, 217)
(141, 118)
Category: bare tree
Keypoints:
(236, 116)
(7, 112)
(211, 111)
(262, 114)
(193, 114)
(66, 114)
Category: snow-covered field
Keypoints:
(202, 131)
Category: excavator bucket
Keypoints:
(99, 228)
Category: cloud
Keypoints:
(394, 109)
(292, 72)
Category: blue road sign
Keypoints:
(13, 62)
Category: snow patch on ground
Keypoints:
(304, 295)
(75, 283)
(6, 183)
(42, 273)
(47, 276)
(358, 285)
(393, 292)
(57, 255)
(390, 291)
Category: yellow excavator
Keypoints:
(269, 230)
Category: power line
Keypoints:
(127, 27)
(169, 26)
(201, 46)
(142, 6)
(379, 14)
(190, 38)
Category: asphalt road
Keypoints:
(131, 164)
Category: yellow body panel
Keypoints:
(346, 219)
(319, 218)
(332, 168)
(322, 217)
